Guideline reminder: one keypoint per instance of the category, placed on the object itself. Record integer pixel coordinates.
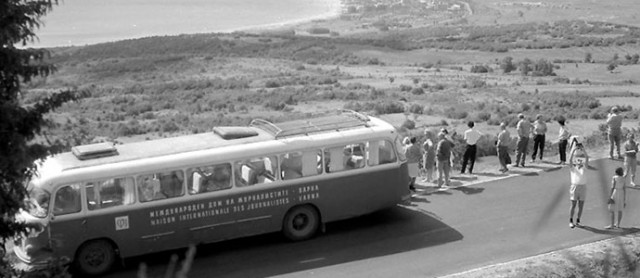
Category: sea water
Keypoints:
(81, 22)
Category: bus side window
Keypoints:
(110, 193)
(345, 158)
(300, 164)
(256, 171)
(67, 200)
(209, 178)
(381, 152)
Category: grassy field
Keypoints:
(406, 62)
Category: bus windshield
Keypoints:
(38, 201)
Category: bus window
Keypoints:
(300, 164)
(67, 200)
(209, 178)
(160, 186)
(381, 152)
(256, 171)
(110, 193)
(344, 157)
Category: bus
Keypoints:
(101, 203)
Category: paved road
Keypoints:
(439, 233)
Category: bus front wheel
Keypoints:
(301, 223)
(95, 257)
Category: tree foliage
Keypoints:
(20, 124)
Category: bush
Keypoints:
(416, 108)
(272, 84)
(417, 91)
(405, 88)
(318, 30)
(409, 124)
(388, 107)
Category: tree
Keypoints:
(507, 65)
(525, 66)
(21, 123)
(587, 57)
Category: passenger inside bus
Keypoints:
(219, 178)
(171, 184)
(67, 201)
(291, 166)
(149, 188)
(352, 158)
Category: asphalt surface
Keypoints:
(440, 232)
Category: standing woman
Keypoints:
(429, 156)
(414, 154)
(630, 162)
(563, 140)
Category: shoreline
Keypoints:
(328, 9)
(335, 6)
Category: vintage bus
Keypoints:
(102, 202)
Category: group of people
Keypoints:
(436, 152)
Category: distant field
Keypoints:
(634, 102)
(519, 11)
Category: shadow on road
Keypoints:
(619, 231)
(396, 230)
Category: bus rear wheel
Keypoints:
(95, 257)
(301, 223)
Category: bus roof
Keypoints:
(258, 131)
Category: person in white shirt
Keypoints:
(578, 164)
(471, 137)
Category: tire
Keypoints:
(95, 257)
(301, 223)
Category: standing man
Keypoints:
(504, 138)
(578, 164)
(471, 137)
(614, 124)
(539, 130)
(443, 159)
(524, 129)
(630, 162)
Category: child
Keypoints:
(618, 197)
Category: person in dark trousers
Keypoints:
(614, 132)
(471, 137)
(524, 129)
(539, 131)
(563, 141)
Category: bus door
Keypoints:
(157, 227)
(67, 225)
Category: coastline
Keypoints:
(81, 23)
(335, 6)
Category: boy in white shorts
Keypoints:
(578, 164)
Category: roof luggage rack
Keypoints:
(345, 119)
(93, 151)
(234, 132)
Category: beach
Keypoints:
(82, 22)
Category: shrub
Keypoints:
(417, 91)
(388, 107)
(409, 124)
(318, 30)
(416, 108)
(405, 88)
(272, 84)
